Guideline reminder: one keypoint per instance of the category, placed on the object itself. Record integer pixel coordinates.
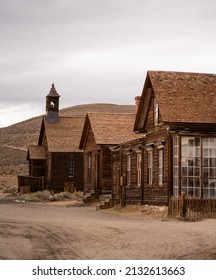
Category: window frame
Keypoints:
(150, 167)
(138, 167)
(71, 166)
(128, 169)
(161, 167)
(196, 169)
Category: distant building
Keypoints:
(57, 163)
(101, 132)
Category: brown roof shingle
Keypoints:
(185, 97)
(36, 152)
(110, 128)
(64, 136)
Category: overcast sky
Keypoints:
(97, 51)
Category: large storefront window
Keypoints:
(197, 165)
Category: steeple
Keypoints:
(52, 105)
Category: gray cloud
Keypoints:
(98, 50)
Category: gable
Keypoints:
(108, 128)
(87, 138)
(63, 136)
(145, 111)
(182, 98)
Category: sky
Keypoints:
(96, 51)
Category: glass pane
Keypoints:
(205, 152)
(184, 171)
(197, 172)
(184, 182)
(205, 162)
(175, 162)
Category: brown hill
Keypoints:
(15, 138)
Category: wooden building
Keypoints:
(56, 163)
(101, 132)
(178, 119)
(57, 156)
(37, 161)
(126, 172)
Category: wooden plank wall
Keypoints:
(115, 165)
(106, 170)
(59, 172)
(155, 193)
(37, 168)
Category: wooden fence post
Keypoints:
(183, 205)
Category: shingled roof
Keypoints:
(36, 152)
(109, 128)
(182, 97)
(64, 136)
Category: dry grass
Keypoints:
(158, 212)
(43, 196)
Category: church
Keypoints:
(56, 163)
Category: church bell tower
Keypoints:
(52, 105)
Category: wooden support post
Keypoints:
(122, 196)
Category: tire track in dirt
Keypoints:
(37, 231)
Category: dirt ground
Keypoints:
(53, 231)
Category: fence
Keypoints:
(191, 207)
(31, 184)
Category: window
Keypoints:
(197, 165)
(150, 167)
(156, 112)
(139, 169)
(89, 165)
(71, 167)
(176, 166)
(52, 104)
(160, 166)
(190, 165)
(128, 169)
(209, 167)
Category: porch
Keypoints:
(31, 184)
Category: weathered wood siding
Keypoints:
(155, 193)
(106, 168)
(119, 161)
(150, 116)
(59, 171)
(101, 169)
(90, 149)
(116, 168)
(37, 168)
(89, 181)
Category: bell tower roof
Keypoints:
(53, 91)
(52, 105)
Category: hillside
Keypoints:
(15, 138)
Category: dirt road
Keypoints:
(36, 231)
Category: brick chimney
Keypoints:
(137, 102)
